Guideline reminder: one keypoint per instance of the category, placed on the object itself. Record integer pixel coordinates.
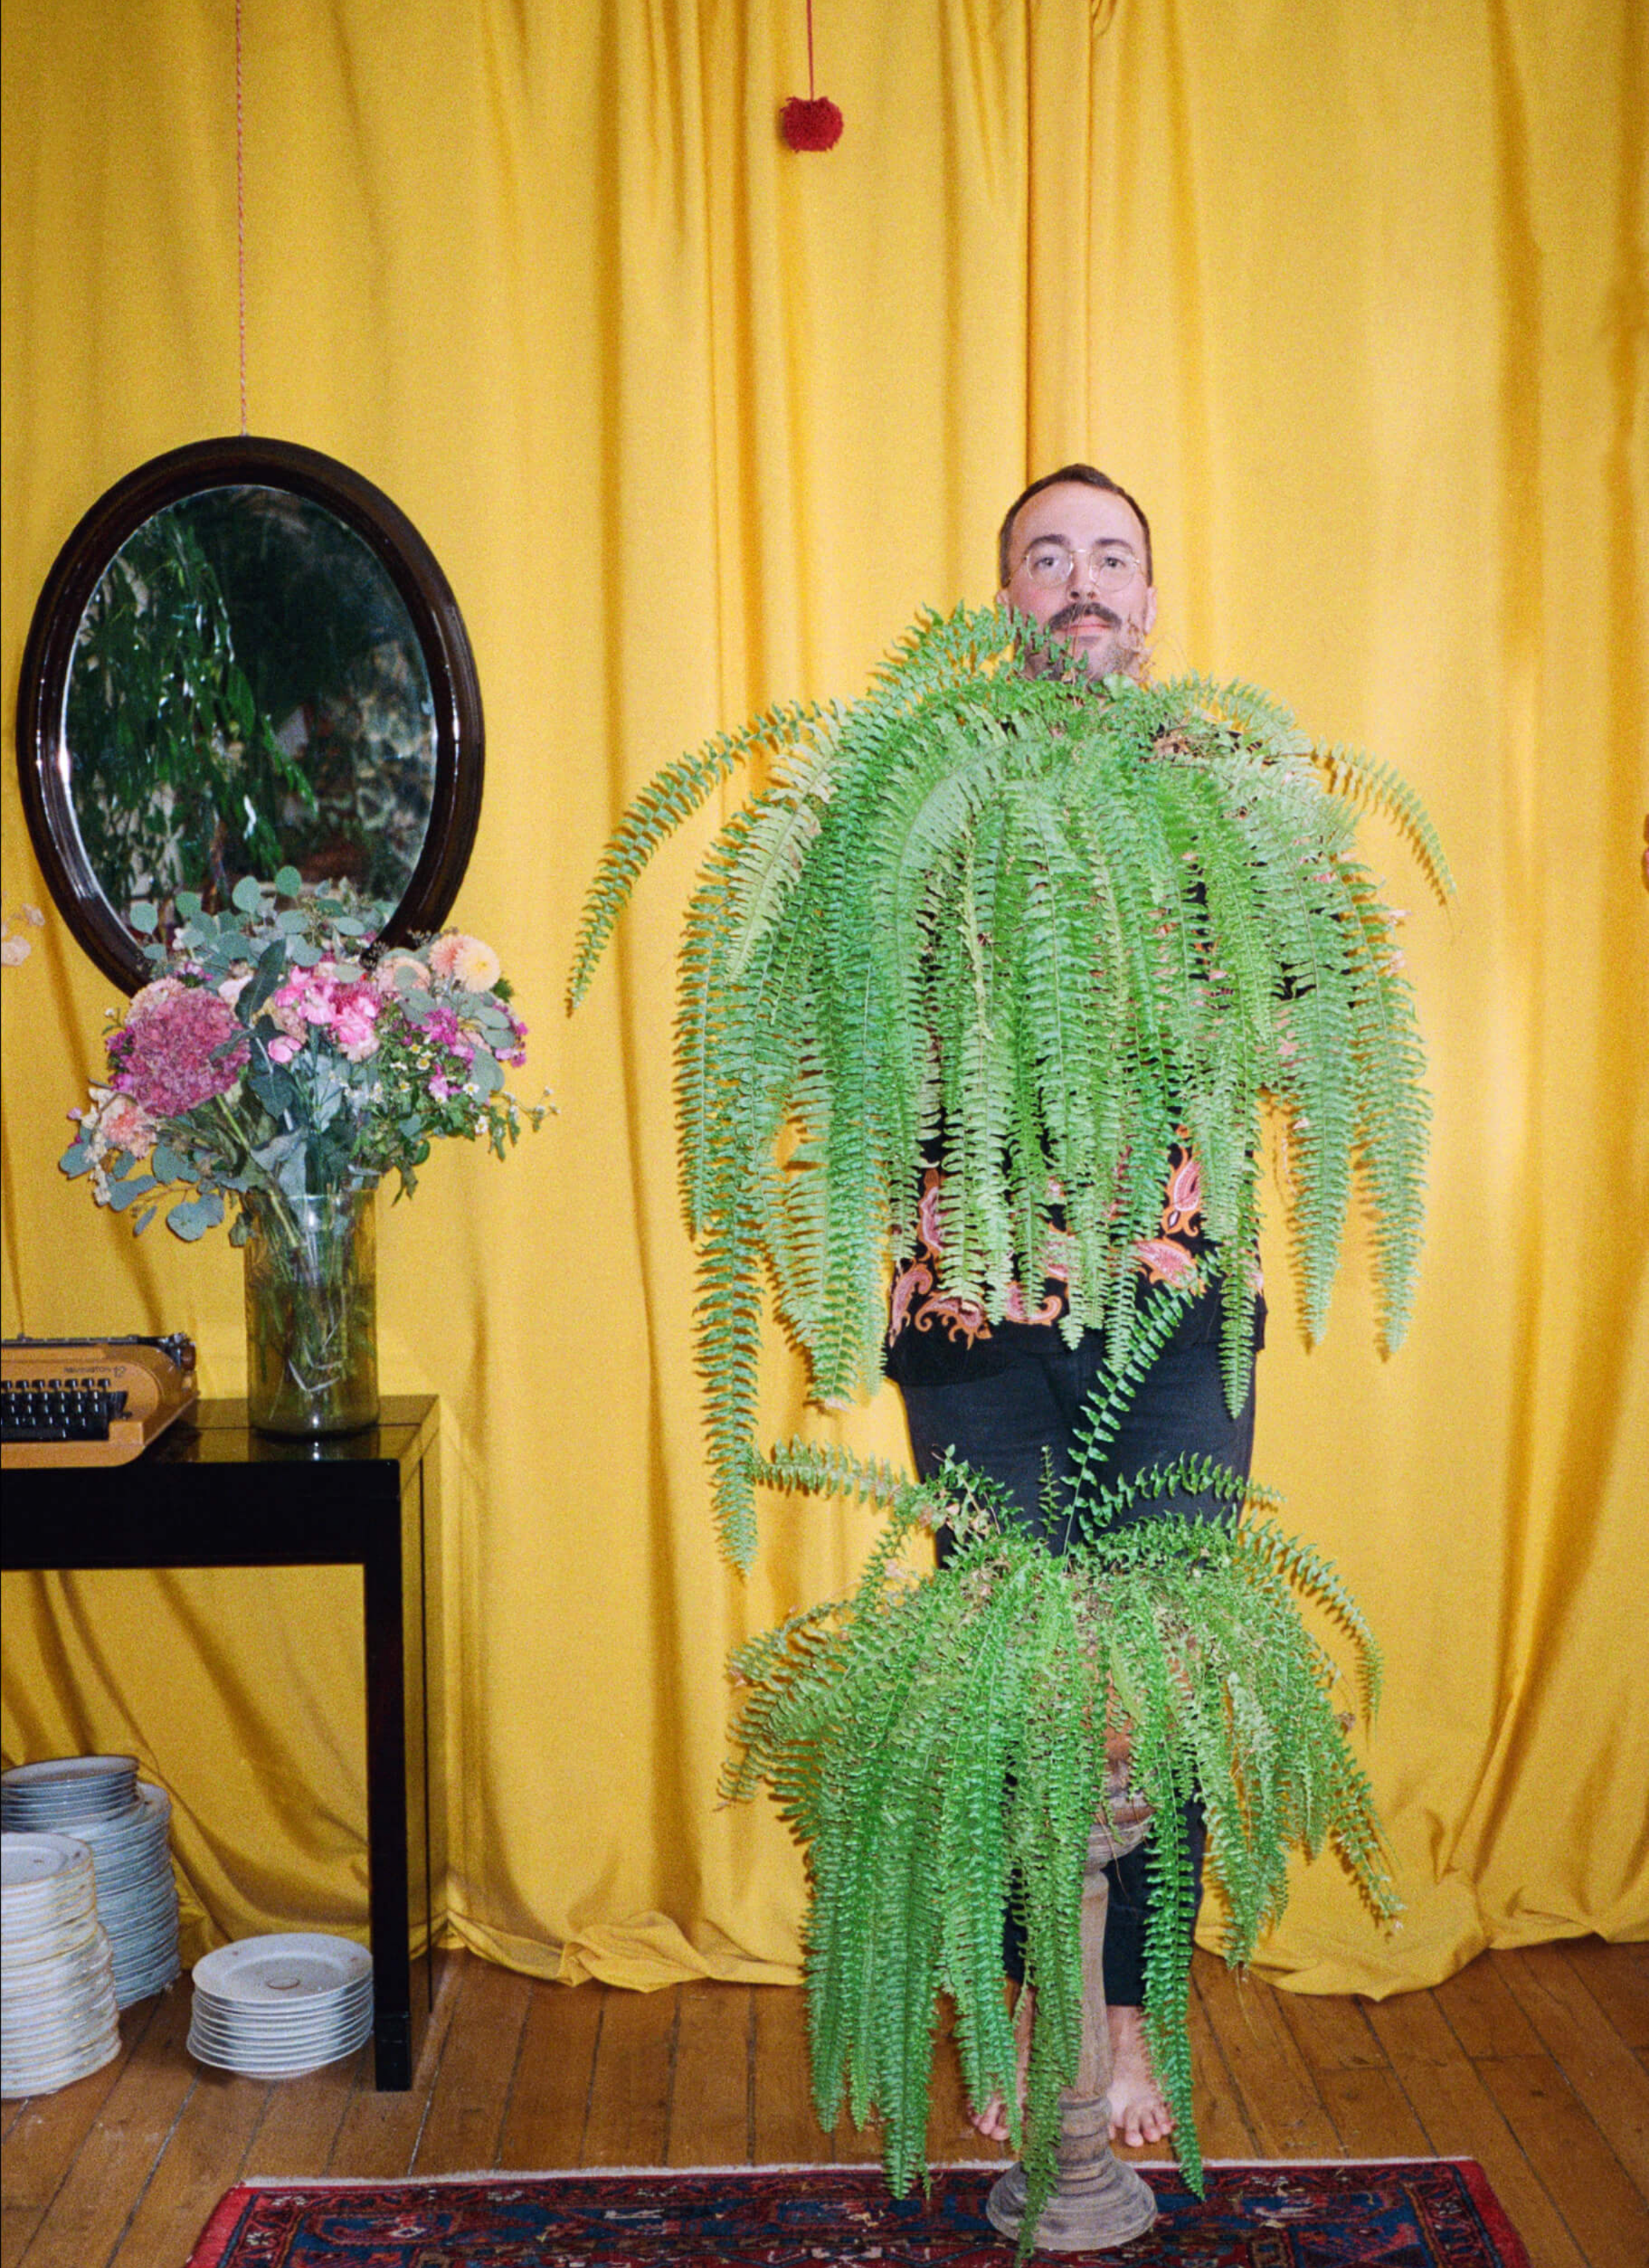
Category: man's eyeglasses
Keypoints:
(1049, 564)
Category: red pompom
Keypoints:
(811, 125)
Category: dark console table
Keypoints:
(212, 1493)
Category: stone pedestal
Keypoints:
(1098, 2201)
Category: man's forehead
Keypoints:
(1076, 510)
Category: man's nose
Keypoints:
(1081, 576)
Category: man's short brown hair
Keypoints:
(1090, 477)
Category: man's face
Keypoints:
(1105, 623)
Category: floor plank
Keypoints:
(711, 2115)
(123, 2150)
(44, 2134)
(550, 2098)
(1462, 2120)
(1602, 2070)
(377, 2134)
(1483, 2016)
(203, 2155)
(1280, 2099)
(786, 2130)
(629, 2104)
(471, 2087)
(1617, 1977)
(1601, 2205)
(1222, 2124)
(300, 2129)
(1528, 2062)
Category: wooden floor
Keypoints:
(1536, 2063)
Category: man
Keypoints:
(1074, 556)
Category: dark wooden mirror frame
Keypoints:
(247, 460)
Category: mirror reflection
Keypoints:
(246, 690)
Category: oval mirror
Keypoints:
(245, 657)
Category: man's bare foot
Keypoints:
(992, 2120)
(1139, 2112)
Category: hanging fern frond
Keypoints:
(1049, 926)
(938, 1744)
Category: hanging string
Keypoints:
(240, 215)
(810, 83)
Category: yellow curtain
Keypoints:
(1358, 306)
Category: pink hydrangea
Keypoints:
(166, 1052)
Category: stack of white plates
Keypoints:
(57, 2015)
(270, 2007)
(61, 1792)
(124, 1821)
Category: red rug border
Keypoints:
(214, 2238)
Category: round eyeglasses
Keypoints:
(1051, 562)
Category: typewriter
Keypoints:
(91, 1401)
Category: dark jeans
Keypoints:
(1006, 1422)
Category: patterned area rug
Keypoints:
(1420, 2213)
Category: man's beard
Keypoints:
(1120, 653)
(1122, 650)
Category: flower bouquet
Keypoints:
(282, 1060)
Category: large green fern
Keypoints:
(938, 1743)
(1060, 921)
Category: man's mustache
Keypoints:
(1083, 610)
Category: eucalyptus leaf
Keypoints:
(266, 979)
(191, 1219)
(166, 1166)
(124, 1195)
(188, 902)
(143, 918)
(289, 881)
(247, 895)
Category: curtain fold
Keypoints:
(694, 424)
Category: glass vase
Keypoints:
(312, 1313)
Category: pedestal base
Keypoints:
(1106, 2204)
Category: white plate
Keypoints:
(100, 1783)
(280, 2043)
(25, 2076)
(285, 1970)
(275, 2067)
(60, 2031)
(287, 2035)
(67, 1933)
(55, 1976)
(48, 1771)
(27, 1861)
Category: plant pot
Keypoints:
(311, 1314)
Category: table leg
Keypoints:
(387, 1883)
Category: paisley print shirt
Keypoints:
(934, 1338)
